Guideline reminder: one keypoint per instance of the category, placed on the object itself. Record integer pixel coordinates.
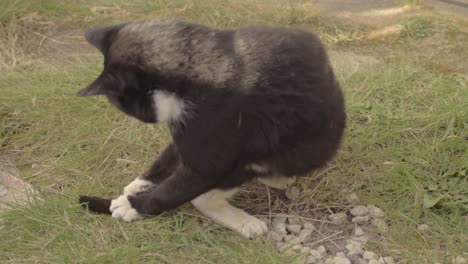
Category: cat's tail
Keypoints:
(96, 204)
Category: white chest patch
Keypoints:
(257, 168)
(169, 107)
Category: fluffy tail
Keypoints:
(96, 204)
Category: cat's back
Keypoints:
(283, 58)
(275, 43)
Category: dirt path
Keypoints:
(441, 50)
(375, 12)
(458, 8)
(12, 189)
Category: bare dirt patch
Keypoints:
(446, 52)
(351, 60)
(12, 189)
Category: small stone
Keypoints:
(353, 241)
(293, 193)
(386, 260)
(3, 190)
(380, 224)
(329, 261)
(289, 252)
(356, 259)
(311, 260)
(295, 229)
(352, 199)
(340, 255)
(341, 260)
(358, 231)
(280, 218)
(315, 253)
(360, 219)
(375, 212)
(308, 225)
(289, 237)
(362, 239)
(265, 220)
(338, 218)
(305, 235)
(294, 241)
(322, 250)
(354, 249)
(305, 249)
(294, 220)
(280, 244)
(274, 236)
(368, 255)
(373, 261)
(285, 247)
(424, 227)
(297, 248)
(359, 210)
(279, 228)
(459, 260)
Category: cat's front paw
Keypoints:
(137, 186)
(252, 228)
(122, 209)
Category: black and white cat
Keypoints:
(255, 102)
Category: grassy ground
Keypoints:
(405, 148)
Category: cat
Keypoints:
(255, 102)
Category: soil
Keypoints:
(12, 188)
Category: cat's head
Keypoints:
(124, 80)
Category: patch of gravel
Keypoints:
(295, 236)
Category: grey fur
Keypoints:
(97, 35)
(178, 47)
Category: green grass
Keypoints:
(416, 28)
(405, 150)
(405, 141)
(407, 145)
(219, 13)
(60, 232)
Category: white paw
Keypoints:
(122, 209)
(252, 228)
(137, 186)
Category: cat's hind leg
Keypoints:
(277, 182)
(214, 204)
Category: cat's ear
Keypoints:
(100, 36)
(100, 86)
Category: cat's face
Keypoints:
(127, 85)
